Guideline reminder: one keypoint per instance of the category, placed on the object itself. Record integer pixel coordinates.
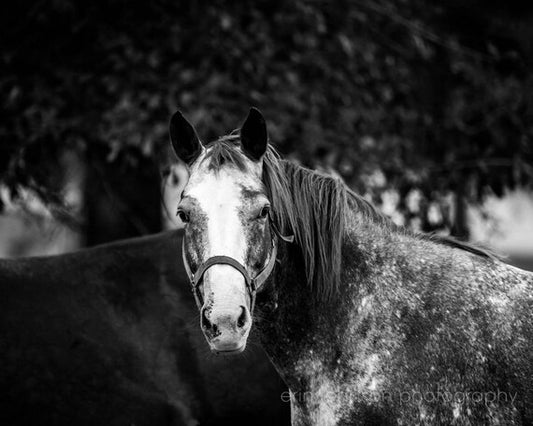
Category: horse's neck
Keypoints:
(313, 341)
(303, 327)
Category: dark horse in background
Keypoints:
(109, 336)
(368, 323)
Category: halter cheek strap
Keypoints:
(252, 284)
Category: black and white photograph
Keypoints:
(267, 213)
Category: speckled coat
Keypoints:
(418, 333)
(369, 324)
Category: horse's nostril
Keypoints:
(205, 321)
(208, 325)
(242, 318)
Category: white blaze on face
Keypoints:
(219, 197)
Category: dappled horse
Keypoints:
(109, 336)
(367, 323)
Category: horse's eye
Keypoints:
(264, 212)
(184, 217)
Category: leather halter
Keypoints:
(252, 284)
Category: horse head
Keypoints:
(230, 246)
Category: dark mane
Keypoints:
(463, 245)
(312, 206)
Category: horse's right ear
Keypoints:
(185, 141)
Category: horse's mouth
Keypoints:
(228, 350)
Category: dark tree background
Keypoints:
(429, 98)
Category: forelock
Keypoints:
(225, 152)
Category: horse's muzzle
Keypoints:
(226, 330)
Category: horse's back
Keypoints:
(108, 335)
(463, 333)
(66, 326)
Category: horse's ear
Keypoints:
(185, 141)
(254, 136)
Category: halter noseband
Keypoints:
(252, 284)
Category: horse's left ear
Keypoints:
(254, 136)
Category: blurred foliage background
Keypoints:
(424, 105)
